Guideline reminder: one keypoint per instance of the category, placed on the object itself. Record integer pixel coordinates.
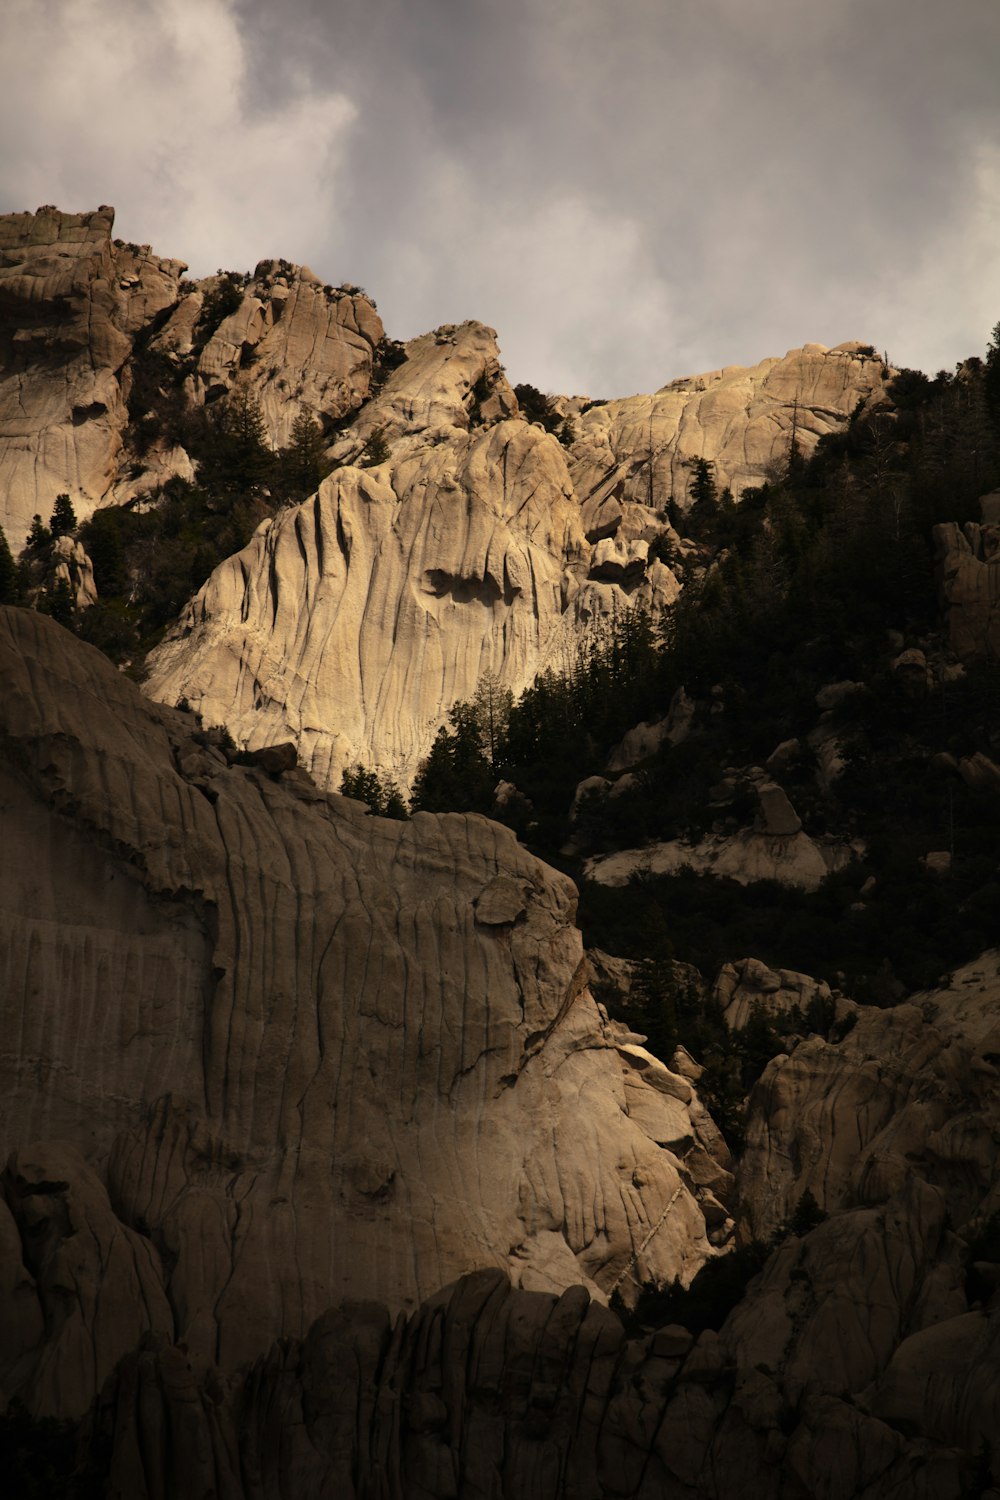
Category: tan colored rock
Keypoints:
(854, 1121)
(488, 1390)
(99, 1284)
(749, 984)
(979, 772)
(777, 815)
(968, 562)
(72, 565)
(739, 419)
(71, 301)
(795, 860)
(310, 1053)
(353, 623)
(295, 345)
(646, 739)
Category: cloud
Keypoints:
(150, 107)
(628, 193)
(572, 290)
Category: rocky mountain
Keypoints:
(266, 1055)
(339, 1159)
(84, 317)
(481, 544)
(299, 1052)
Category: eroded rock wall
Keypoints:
(69, 304)
(861, 1361)
(78, 308)
(353, 623)
(301, 1053)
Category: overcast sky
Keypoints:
(628, 190)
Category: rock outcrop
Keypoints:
(637, 451)
(355, 622)
(908, 1092)
(838, 1376)
(302, 1053)
(69, 303)
(480, 544)
(792, 859)
(80, 311)
(968, 559)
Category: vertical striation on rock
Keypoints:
(308, 1053)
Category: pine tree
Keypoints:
(63, 519)
(39, 537)
(376, 449)
(703, 512)
(304, 463)
(59, 602)
(238, 457)
(991, 380)
(10, 582)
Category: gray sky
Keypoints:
(627, 191)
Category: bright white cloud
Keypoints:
(577, 299)
(627, 193)
(149, 106)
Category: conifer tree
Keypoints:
(39, 537)
(10, 583)
(304, 462)
(63, 519)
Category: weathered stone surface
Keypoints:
(67, 304)
(99, 1285)
(909, 1091)
(741, 987)
(296, 345)
(525, 1396)
(71, 564)
(306, 1052)
(795, 860)
(646, 739)
(968, 560)
(739, 419)
(72, 304)
(354, 622)
(777, 815)
(512, 534)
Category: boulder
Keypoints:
(777, 817)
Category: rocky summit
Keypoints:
(481, 543)
(498, 950)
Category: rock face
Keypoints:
(68, 304)
(862, 1360)
(749, 985)
(909, 1091)
(637, 450)
(297, 345)
(302, 1053)
(79, 310)
(793, 859)
(969, 570)
(355, 622)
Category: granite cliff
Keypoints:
(333, 1163)
(267, 1055)
(299, 1052)
(351, 624)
